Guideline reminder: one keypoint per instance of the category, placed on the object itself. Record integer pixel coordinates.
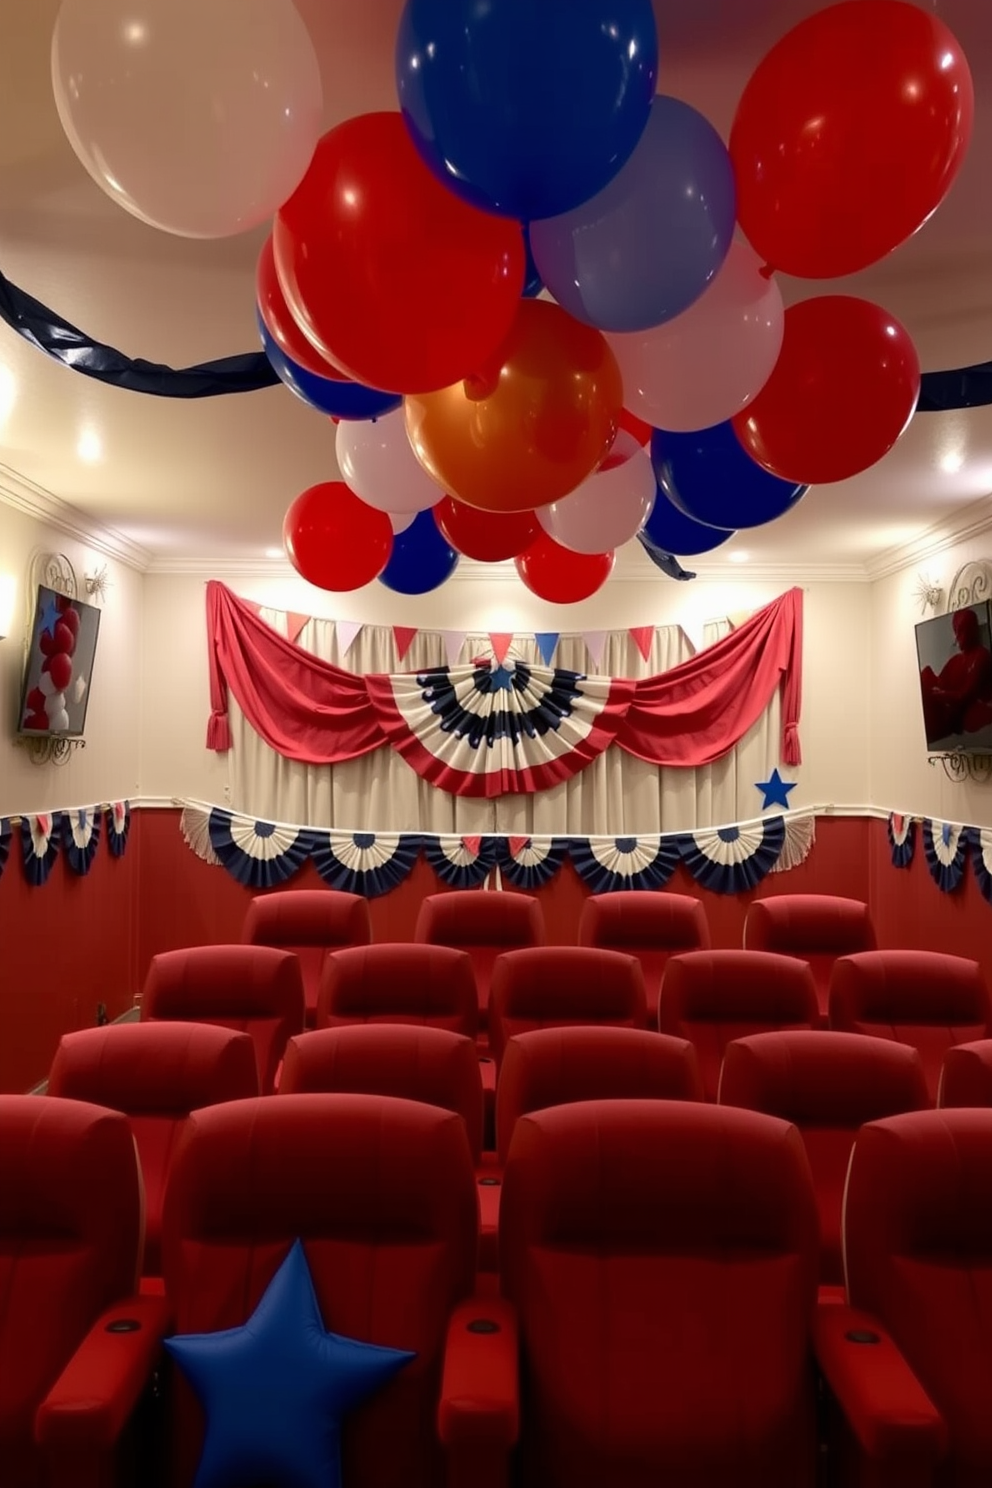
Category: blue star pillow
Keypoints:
(274, 1392)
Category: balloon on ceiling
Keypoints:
(539, 263)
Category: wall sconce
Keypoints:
(8, 595)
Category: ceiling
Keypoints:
(208, 481)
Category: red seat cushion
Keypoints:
(399, 983)
(485, 925)
(558, 986)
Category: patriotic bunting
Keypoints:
(902, 839)
(461, 862)
(546, 642)
(945, 848)
(729, 860)
(643, 638)
(527, 863)
(259, 854)
(501, 643)
(81, 837)
(346, 632)
(980, 843)
(39, 846)
(369, 863)
(5, 835)
(404, 637)
(608, 863)
(118, 827)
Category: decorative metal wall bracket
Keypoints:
(959, 766)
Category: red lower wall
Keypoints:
(77, 942)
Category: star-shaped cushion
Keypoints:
(274, 1392)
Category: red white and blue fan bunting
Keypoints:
(902, 839)
(609, 863)
(5, 835)
(729, 860)
(527, 863)
(487, 730)
(461, 862)
(81, 837)
(39, 845)
(118, 827)
(369, 863)
(980, 845)
(259, 854)
(946, 849)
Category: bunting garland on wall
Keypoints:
(81, 837)
(945, 847)
(369, 863)
(39, 845)
(118, 827)
(76, 831)
(902, 839)
(980, 847)
(611, 863)
(5, 836)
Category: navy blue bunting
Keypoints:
(40, 845)
(980, 847)
(902, 839)
(461, 862)
(118, 827)
(5, 836)
(527, 863)
(259, 854)
(369, 863)
(610, 863)
(487, 724)
(945, 848)
(729, 860)
(81, 837)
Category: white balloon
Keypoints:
(610, 506)
(401, 520)
(79, 689)
(46, 685)
(377, 462)
(54, 707)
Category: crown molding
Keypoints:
(34, 501)
(957, 527)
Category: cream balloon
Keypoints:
(709, 362)
(611, 505)
(199, 117)
(377, 463)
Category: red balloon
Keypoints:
(843, 390)
(556, 574)
(279, 322)
(35, 701)
(489, 537)
(46, 643)
(37, 721)
(848, 135)
(636, 426)
(395, 279)
(59, 668)
(334, 540)
(70, 617)
(64, 636)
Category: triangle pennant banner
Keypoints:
(404, 636)
(546, 642)
(295, 624)
(454, 640)
(500, 644)
(346, 631)
(643, 638)
(595, 642)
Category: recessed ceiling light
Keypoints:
(738, 557)
(952, 461)
(90, 446)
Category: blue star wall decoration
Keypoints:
(274, 1391)
(775, 790)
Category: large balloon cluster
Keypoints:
(503, 291)
(45, 707)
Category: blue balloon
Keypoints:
(347, 400)
(710, 477)
(647, 246)
(670, 530)
(421, 559)
(526, 107)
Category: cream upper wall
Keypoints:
(834, 727)
(108, 768)
(901, 777)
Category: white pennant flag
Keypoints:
(346, 631)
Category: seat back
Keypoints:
(828, 1085)
(382, 1194)
(556, 1066)
(399, 983)
(555, 986)
(252, 989)
(421, 1064)
(918, 1250)
(70, 1238)
(966, 1075)
(308, 922)
(651, 925)
(714, 997)
(485, 925)
(663, 1258)
(156, 1074)
(815, 927)
(924, 998)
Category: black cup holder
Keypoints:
(489, 1182)
(482, 1325)
(861, 1335)
(123, 1325)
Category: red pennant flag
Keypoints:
(517, 845)
(295, 624)
(404, 636)
(500, 644)
(472, 845)
(643, 638)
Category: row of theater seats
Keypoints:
(658, 1318)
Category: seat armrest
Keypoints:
(884, 1403)
(87, 1408)
(479, 1411)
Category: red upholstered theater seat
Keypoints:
(924, 998)
(555, 986)
(663, 1258)
(814, 927)
(828, 1085)
(382, 1194)
(647, 924)
(556, 1066)
(252, 989)
(308, 922)
(483, 923)
(399, 983)
(918, 1252)
(966, 1075)
(70, 1237)
(714, 997)
(156, 1074)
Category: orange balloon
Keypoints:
(532, 424)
